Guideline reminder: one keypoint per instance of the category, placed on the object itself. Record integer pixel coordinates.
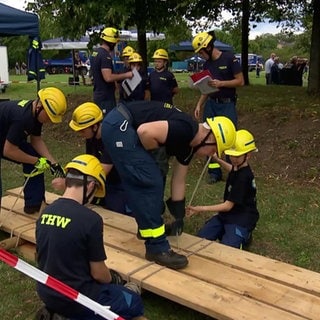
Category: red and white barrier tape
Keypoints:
(57, 285)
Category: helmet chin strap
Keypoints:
(209, 52)
(38, 109)
(94, 131)
(86, 198)
(244, 160)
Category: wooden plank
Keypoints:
(11, 242)
(200, 269)
(244, 274)
(238, 281)
(294, 276)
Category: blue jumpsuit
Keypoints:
(141, 177)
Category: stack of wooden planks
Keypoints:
(220, 281)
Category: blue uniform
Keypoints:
(161, 85)
(223, 101)
(115, 198)
(17, 123)
(139, 172)
(103, 92)
(68, 237)
(138, 93)
(234, 227)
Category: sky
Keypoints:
(260, 29)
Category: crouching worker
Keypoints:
(70, 248)
(238, 214)
(129, 132)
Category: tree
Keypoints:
(286, 12)
(314, 75)
(143, 14)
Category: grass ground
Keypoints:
(285, 122)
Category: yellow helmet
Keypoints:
(110, 35)
(201, 41)
(90, 166)
(244, 144)
(127, 51)
(54, 103)
(224, 132)
(84, 116)
(135, 57)
(160, 54)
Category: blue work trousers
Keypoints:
(34, 190)
(140, 176)
(121, 301)
(229, 234)
(213, 109)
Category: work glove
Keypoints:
(178, 210)
(42, 165)
(115, 277)
(57, 171)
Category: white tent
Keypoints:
(82, 43)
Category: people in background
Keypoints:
(227, 76)
(162, 83)
(104, 78)
(79, 69)
(139, 93)
(17, 68)
(267, 68)
(275, 71)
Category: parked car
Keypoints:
(58, 66)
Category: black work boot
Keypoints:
(168, 259)
(32, 209)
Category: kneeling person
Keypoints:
(70, 247)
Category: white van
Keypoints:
(4, 69)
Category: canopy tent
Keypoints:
(187, 46)
(82, 43)
(14, 22)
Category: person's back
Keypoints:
(70, 247)
(68, 235)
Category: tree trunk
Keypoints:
(245, 39)
(141, 12)
(314, 74)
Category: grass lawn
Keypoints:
(285, 122)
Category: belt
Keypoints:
(124, 111)
(223, 100)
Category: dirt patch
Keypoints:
(288, 144)
(288, 141)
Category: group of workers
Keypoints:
(128, 145)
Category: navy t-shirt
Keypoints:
(182, 127)
(17, 122)
(224, 68)
(68, 237)
(102, 90)
(161, 85)
(241, 190)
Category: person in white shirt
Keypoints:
(267, 68)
